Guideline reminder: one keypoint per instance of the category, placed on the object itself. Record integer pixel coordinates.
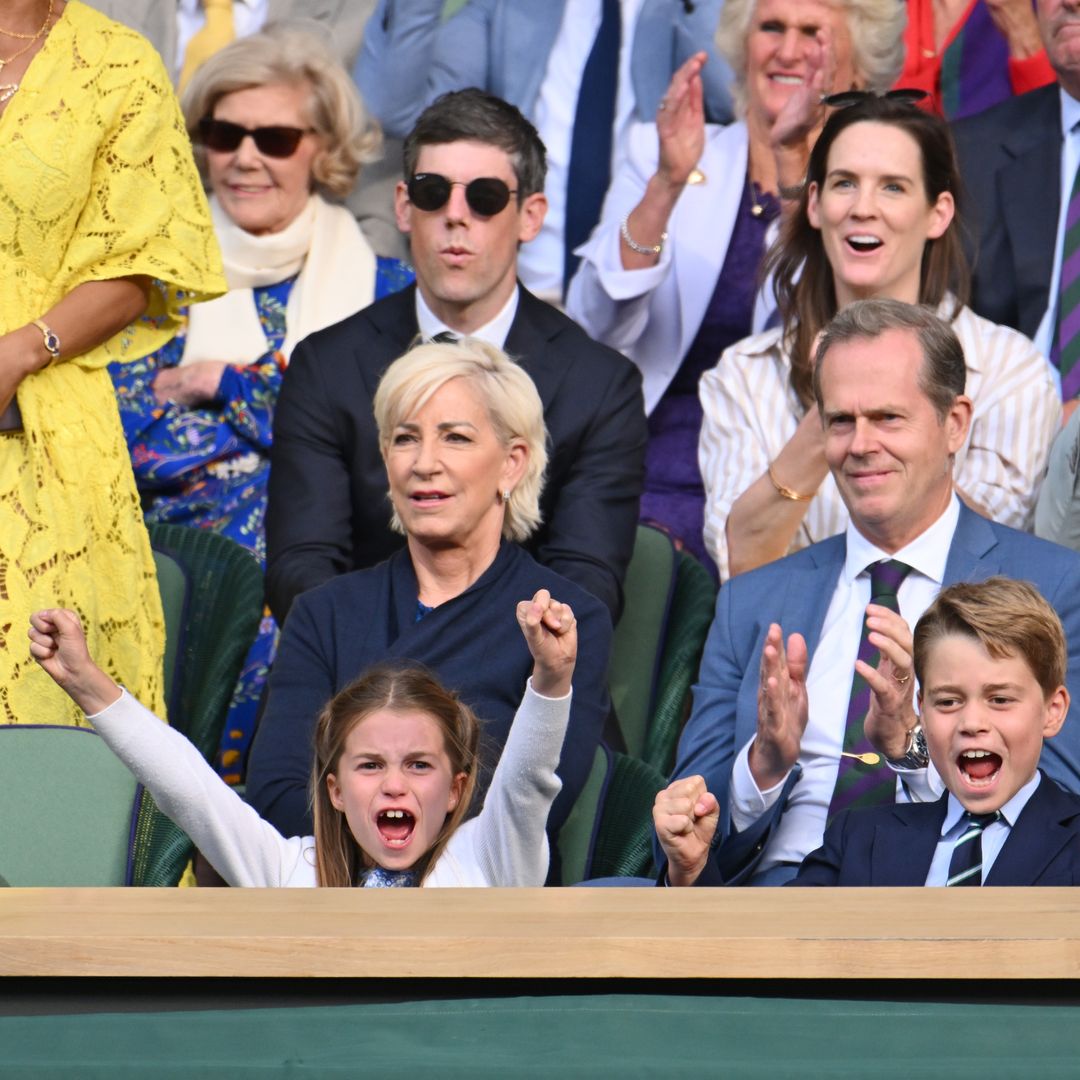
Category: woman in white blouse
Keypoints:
(670, 275)
(878, 218)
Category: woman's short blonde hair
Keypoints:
(509, 395)
(877, 41)
(287, 52)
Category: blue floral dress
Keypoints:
(208, 466)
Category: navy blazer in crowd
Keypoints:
(1010, 159)
(894, 845)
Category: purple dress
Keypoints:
(674, 496)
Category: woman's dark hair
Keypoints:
(805, 290)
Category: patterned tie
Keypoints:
(216, 34)
(965, 868)
(379, 878)
(1065, 350)
(589, 171)
(858, 784)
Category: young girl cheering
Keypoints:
(396, 758)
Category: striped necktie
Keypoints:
(858, 784)
(965, 868)
(1065, 350)
(218, 31)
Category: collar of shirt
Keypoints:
(1010, 811)
(494, 332)
(927, 554)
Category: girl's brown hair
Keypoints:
(804, 285)
(339, 859)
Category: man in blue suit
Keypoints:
(990, 659)
(889, 382)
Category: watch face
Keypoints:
(52, 343)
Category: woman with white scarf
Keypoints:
(277, 125)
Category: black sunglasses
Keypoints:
(905, 95)
(486, 195)
(277, 141)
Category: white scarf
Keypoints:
(337, 278)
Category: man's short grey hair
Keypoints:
(943, 374)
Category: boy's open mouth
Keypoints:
(395, 827)
(979, 766)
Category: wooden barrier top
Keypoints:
(543, 933)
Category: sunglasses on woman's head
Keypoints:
(909, 95)
(277, 141)
(486, 195)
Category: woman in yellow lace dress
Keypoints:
(104, 232)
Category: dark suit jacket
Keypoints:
(796, 592)
(328, 509)
(1010, 159)
(894, 845)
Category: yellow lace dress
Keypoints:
(96, 182)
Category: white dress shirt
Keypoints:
(751, 413)
(828, 689)
(540, 262)
(1070, 162)
(493, 332)
(993, 836)
(249, 17)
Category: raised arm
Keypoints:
(243, 848)
(510, 831)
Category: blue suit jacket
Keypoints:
(894, 845)
(410, 57)
(796, 592)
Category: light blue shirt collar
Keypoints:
(1009, 812)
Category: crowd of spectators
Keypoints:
(428, 303)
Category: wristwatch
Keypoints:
(52, 342)
(916, 756)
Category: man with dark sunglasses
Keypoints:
(474, 192)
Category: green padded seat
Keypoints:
(639, 636)
(67, 804)
(609, 830)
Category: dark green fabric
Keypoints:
(160, 849)
(632, 1035)
(623, 845)
(172, 584)
(576, 835)
(222, 609)
(688, 626)
(609, 831)
(639, 635)
(66, 804)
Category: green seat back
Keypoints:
(609, 830)
(66, 802)
(221, 608)
(639, 635)
(688, 627)
(212, 594)
(173, 586)
(577, 833)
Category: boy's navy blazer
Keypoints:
(894, 845)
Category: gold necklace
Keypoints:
(27, 37)
(7, 90)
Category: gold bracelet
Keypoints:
(50, 340)
(786, 492)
